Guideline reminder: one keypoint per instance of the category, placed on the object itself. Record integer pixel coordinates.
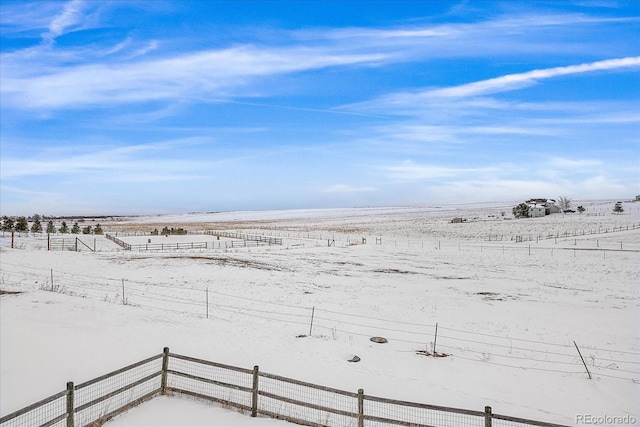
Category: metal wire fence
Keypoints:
(228, 385)
(113, 393)
(51, 411)
(381, 411)
(94, 401)
(249, 390)
(306, 403)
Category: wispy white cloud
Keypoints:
(148, 47)
(485, 33)
(70, 17)
(410, 171)
(27, 16)
(517, 81)
(564, 163)
(199, 75)
(136, 160)
(61, 79)
(343, 188)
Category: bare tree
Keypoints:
(564, 203)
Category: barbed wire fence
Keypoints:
(427, 339)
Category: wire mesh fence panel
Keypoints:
(62, 244)
(505, 421)
(51, 411)
(384, 412)
(116, 391)
(222, 383)
(306, 403)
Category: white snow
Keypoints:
(508, 311)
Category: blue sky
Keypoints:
(144, 107)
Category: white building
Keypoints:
(548, 207)
(536, 211)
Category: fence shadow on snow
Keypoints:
(251, 391)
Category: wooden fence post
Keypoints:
(70, 414)
(254, 392)
(165, 367)
(581, 358)
(435, 338)
(313, 310)
(360, 408)
(487, 416)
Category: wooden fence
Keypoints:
(250, 390)
(248, 240)
(117, 241)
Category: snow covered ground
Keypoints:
(509, 296)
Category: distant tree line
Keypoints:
(166, 231)
(21, 225)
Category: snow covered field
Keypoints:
(509, 296)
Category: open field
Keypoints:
(509, 296)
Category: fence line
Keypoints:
(512, 244)
(117, 241)
(96, 401)
(470, 345)
(557, 235)
(243, 236)
(247, 241)
(418, 330)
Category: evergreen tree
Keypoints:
(22, 226)
(618, 208)
(51, 229)
(36, 227)
(86, 230)
(98, 229)
(521, 211)
(581, 209)
(63, 228)
(7, 223)
(75, 229)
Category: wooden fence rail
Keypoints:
(117, 241)
(258, 393)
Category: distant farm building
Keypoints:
(542, 207)
(457, 220)
(536, 211)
